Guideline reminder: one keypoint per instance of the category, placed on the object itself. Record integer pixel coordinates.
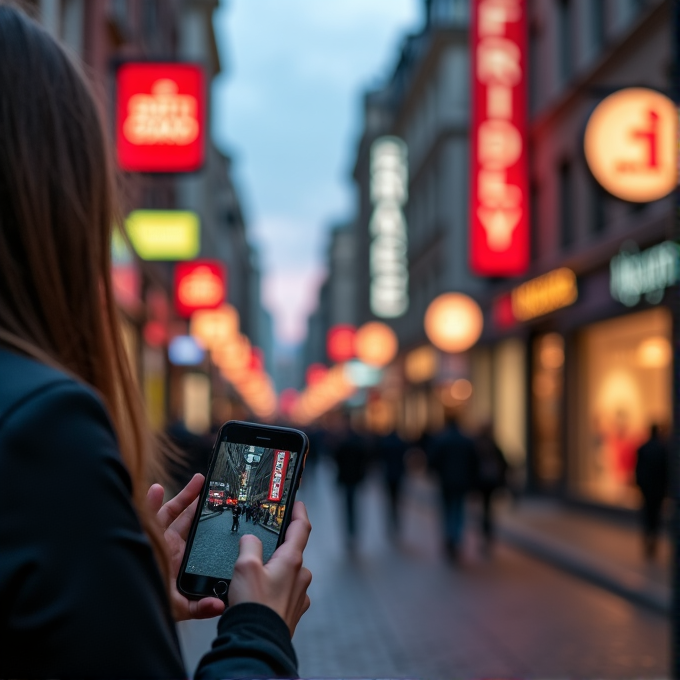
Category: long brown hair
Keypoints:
(58, 207)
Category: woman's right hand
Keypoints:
(282, 583)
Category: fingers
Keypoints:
(154, 498)
(249, 550)
(176, 506)
(207, 608)
(299, 529)
(183, 523)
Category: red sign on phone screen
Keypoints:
(160, 122)
(279, 469)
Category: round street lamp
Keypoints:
(376, 344)
(453, 322)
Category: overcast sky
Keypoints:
(288, 110)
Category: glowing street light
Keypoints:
(453, 322)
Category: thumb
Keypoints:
(250, 549)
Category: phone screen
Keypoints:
(248, 491)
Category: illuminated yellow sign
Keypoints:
(164, 234)
(544, 294)
(631, 144)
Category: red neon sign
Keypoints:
(279, 468)
(340, 342)
(160, 117)
(499, 206)
(200, 284)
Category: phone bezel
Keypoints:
(196, 586)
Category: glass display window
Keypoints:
(624, 386)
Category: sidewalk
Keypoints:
(605, 552)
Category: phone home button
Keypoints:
(220, 588)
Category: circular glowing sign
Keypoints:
(453, 322)
(631, 144)
(376, 344)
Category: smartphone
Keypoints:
(252, 480)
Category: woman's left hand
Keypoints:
(175, 518)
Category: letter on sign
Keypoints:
(160, 117)
(499, 235)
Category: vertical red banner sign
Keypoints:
(499, 196)
(278, 476)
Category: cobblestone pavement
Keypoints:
(400, 611)
(216, 546)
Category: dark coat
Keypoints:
(453, 457)
(392, 450)
(81, 594)
(492, 467)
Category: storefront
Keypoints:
(581, 385)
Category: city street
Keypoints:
(216, 545)
(402, 612)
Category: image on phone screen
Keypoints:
(247, 494)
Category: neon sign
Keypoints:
(630, 144)
(544, 294)
(648, 273)
(281, 459)
(340, 342)
(164, 234)
(499, 236)
(199, 285)
(160, 117)
(389, 194)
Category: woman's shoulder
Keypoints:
(29, 386)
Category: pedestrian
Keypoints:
(453, 458)
(83, 593)
(392, 451)
(235, 515)
(248, 512)
(492, 469)
(652, 476)
(350, 458)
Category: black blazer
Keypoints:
(81, 594)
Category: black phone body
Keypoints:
(252, 480)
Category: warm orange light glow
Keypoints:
(631, 144)
(655, 352)
(544, 294)
(453, 322)
(421, 364)
(376, 344)
(215, 327)
(461, 389)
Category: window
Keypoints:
(597, 24)
(598, 212)
(564, 39)
(566, 216)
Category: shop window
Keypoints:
(566, 217)
(597, 24)
(547, 389)
(598, 216)
(625, 386)
(564, 40)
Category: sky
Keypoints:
(287, 108)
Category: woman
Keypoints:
(88, 563)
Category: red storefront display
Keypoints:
(499, 206)
(200, 284)
(279, 468)
(160, 124)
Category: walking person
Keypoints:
(652, 477)
(92, 594)
(235, 517)
(350, 458)
(452, 456)
(492, 469)
(392, 451)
